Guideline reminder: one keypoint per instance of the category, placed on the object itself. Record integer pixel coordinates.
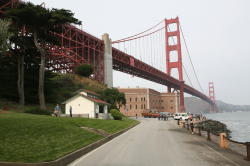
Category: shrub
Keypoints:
(84, 70)
(214, 127)
(38, 111)
(116, 114)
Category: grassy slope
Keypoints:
(36, 138)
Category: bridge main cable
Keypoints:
(126, 39)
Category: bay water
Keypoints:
(237, 122)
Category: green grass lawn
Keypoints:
(37, 138)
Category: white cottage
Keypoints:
(86, 104)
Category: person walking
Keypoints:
(70, 111)
(164, 117)
(192, 126)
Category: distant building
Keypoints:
(86, 104)
(139, 100)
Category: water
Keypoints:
(237, 122)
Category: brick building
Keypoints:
(141, 100)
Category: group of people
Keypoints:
(163, 117)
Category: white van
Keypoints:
(181, 116)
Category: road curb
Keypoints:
(74, 155)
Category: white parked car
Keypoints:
(181, 116)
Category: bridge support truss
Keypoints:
(170, 50)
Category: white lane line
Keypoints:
(102, 146)
(218, 153)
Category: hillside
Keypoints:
(58, 88)
(195, 105)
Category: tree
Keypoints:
(84, 70)
(114, 97)
(121, 100)
(40, 23)
(21, 46)
(4, 35)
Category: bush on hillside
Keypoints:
(38, 111)
(116, 114)
(84, 70)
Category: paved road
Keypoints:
(159, 143)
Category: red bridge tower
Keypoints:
(174, 48)
(213, 107)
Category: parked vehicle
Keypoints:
(181, 116)
(150, 115)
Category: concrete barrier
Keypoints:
(223, 140)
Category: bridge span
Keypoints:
(79, 47)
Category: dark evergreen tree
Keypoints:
(40, 23)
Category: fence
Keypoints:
(224, 142)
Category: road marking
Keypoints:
(217, 152)
(93, 151)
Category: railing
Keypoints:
(222, 139)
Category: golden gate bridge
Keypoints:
(152, 55)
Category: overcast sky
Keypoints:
(217, 33)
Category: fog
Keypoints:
(217, 34)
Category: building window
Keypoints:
(162, 107)
(171, 108)
(144, 106)
(130, 106)
(141, 99)
(101, 109)
(144, 99)
(171, 100)
(130, 99)
(136, 106)
(141, 106)
(136, 99)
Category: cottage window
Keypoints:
(101, 109)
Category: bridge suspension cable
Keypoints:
(146, 46)
(129, 39)
(185, 70)
(149, 47)
(189, 56)
(117, 41)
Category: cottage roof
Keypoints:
(88, 98)
(95, 100)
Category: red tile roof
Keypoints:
(95, 100)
